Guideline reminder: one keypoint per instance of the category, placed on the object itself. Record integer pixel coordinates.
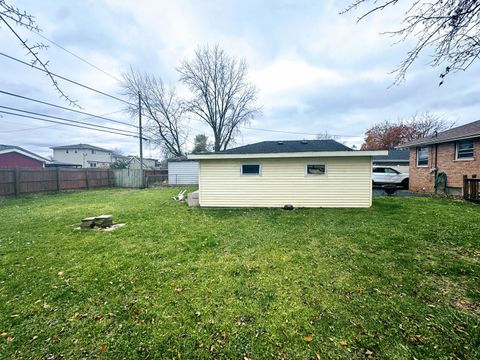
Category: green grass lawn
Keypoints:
(399, 281)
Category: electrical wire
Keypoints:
(50, 126)
(77, 56)
(67, 124)
(68, 109)
(66, 79)
(65, 119)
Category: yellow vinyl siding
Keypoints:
(283, 181)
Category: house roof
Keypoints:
(80, 146)
(395, 155)
(470, 130)
(12, 148)
(289, 148)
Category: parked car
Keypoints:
(384, 175)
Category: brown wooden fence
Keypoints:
(471, 188)
(26, 181)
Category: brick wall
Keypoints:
(421, 180)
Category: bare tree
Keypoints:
(161, 107)
(26, 20)
(450, 27)
(325, 135)
(222, 97)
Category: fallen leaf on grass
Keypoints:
(416, 339)
(104, 348)
(10, 339)
(369, 353)
(343, 342)
(308, 338)
(3, 334)
(317, 356)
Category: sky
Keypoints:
(316, 71)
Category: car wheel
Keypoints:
(404, 184)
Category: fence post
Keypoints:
(17, 182)
(473, 188)
(465, 187)
(58, 178)
(86, 179)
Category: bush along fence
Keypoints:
(27, 181)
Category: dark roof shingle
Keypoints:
(288, 146)
(469, 130)
(399, 155)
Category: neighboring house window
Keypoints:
(93, 164)
(75, 151)
(93, 151)
(464, 149)
(315, 169)
(250, 169)
(66, 151)
(422, 156)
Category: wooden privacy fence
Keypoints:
(27, 181)
(471, 188)
(132, 178)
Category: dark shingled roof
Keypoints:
(80, 146)
(395, 155)
(469, 130)
(288, 146)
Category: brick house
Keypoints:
(455, 152)
(15, 157)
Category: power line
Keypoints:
(66, 79)
(50, 126)
(77, 56)
(64, 119)
(66, 124)
(68, 109)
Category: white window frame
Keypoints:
(465, 158)
(256, 164)
(428, 155)
(308, 164)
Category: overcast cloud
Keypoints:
(316, 70)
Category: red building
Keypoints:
(14, 157)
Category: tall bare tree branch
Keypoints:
(161, 107)
(222, 97)
(22, 18)
(451, 28)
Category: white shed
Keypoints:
(313, 173)
(182, 171)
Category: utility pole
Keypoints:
(142, 181)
